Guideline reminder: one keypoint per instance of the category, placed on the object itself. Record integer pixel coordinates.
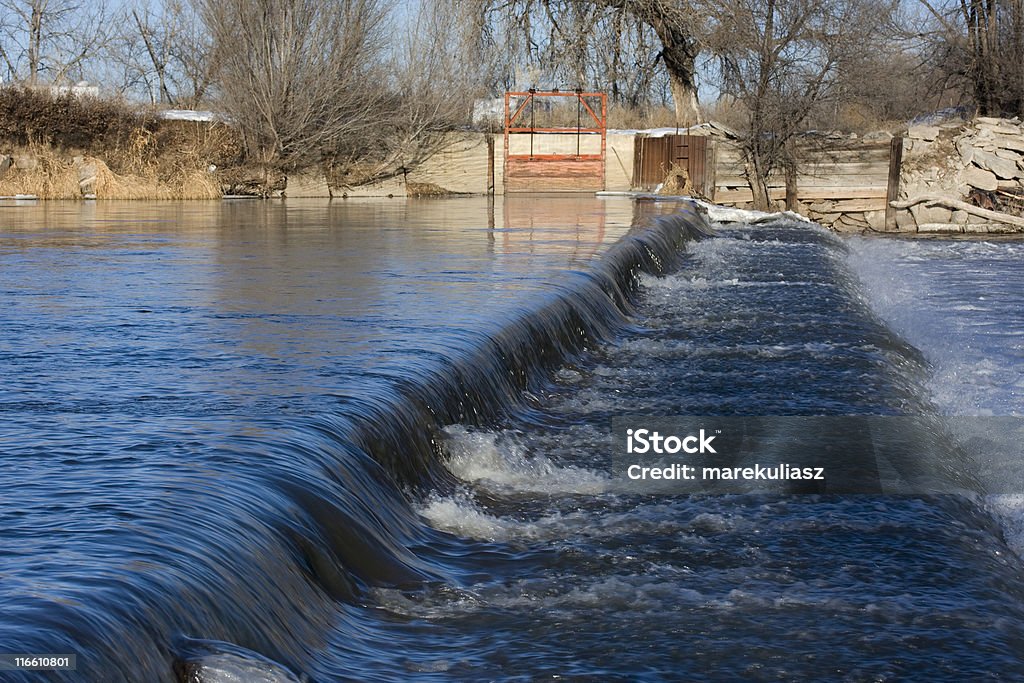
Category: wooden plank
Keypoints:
(805, 194)
(490, 164)
(554, 175)
(698, 148)
(638, 163)
(839, 147)
(861, 180)
(736, 196)
(893, 188)
(841, 192)
(853, 205)
(852, 168)
(711, 173)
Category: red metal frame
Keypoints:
(600, 122)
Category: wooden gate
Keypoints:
(553, 158)
(654, 158)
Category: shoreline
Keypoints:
(720, 212)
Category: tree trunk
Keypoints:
(684, 97)
(679, 50)
(679, 53)
(758, 182)
(35, 41)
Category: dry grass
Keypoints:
(184, 184)
(677, 182)
(55, 177)
(426, 190)
(623, 116)
(52, 178)
(135, 155)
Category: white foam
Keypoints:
(499, 461)
(460, 515)
(929, 294)
(959, 303)
(728, 214)
(231, 668)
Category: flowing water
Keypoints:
(369, 442)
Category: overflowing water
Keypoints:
(369, 442)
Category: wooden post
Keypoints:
(638, 162)
(711, 171)
(892, 192)
(490, 164)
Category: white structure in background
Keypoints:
(189, 115)
(80, 89)
(489, 112)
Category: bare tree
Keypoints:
(573, 33)
(299, 77)
(50, 39)
(164, 51)
(438, 67)
(981, 44)
(780, 61)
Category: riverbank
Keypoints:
(954, 178)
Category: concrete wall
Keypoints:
(460, 166)
(842, 183)
(618, 171)
(464, 161)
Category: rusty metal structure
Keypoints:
(555, 158)
(655, 157)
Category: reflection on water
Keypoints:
(265, 298)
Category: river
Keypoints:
(369, 441)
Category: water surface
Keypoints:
(369, 441)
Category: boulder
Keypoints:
(853, 219)
(1003, 153)
(86, 175)
(905, 221)
(875, 219)
(912, 188)
(820, 216)
(930, 214)
(25, 162)
(878, 136)
(927, 133)
(850, 222)
(981, 228)
(997, 125)
(966, 149)
(980, 178)
(1016, 143)
(5, 164)
(1004, 168)
(939, 228)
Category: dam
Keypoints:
(368, 441)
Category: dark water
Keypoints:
(366, 442)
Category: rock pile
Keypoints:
(961, 161)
